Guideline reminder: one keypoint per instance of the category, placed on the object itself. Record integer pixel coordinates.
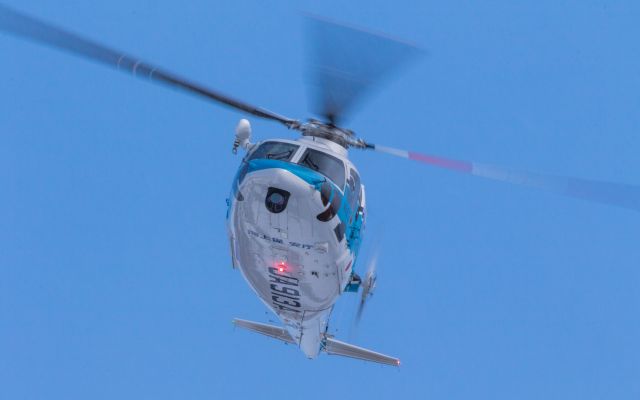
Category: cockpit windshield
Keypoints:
(274, 151)
(327, 165)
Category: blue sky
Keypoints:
(115, 279)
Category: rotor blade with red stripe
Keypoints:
(616, 194)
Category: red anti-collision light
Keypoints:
(282, 266)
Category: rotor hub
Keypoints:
(344, 137)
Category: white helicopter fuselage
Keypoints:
(295, 220)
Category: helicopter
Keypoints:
(296, 214)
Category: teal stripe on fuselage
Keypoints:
(306, 174)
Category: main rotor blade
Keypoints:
(615, 194)
(30, 28)
(345, 63)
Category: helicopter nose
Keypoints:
(276, 189)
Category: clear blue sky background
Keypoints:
(115, 281)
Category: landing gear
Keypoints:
(354, 283)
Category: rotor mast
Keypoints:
(344, 137)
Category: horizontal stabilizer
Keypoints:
(333, 346)
(329, 345)
(267, 330)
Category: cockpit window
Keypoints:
(327, 165)
(274, 151)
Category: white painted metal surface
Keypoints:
(293, 261)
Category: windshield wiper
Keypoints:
(310, 163)
(280, 156)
